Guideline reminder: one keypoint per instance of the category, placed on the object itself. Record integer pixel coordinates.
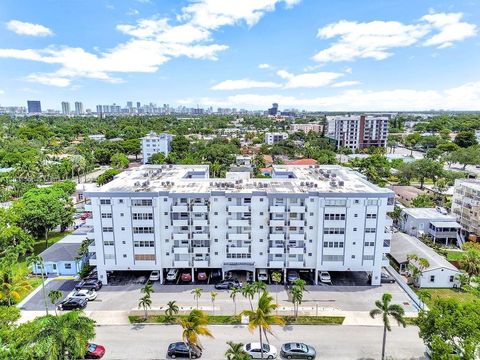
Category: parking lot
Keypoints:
(348, 292)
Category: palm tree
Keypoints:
(233, 295)
(236, 352)
(416, 270)
(37, 261)
(385, 309)
(248, 291)
(297, 297)
(62, 337)
(470, 263)
(145, 303)
(262, 318)
(213, 296)
(277, 278)
(147, 289)
(171, 310)
(11, 290)
(424, 295)
(195, 325)
(259, 287)
(54, 296)
(197, 293)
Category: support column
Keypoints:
(193, 275)
(316, 276)
(102, 275)
(161, 276)
(376, 275)
(285, 275)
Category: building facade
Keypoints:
(273, 138)
(65, 108)
(466, 206)
(34, 107)
(79, 108)
(358, 131)
(307, 218)
(316, 128)
(154, 144)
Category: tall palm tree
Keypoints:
(387, 310)
(213, 296)
(235, 352)
(145, 303)
(54, 296)
(259, 287)
(276, 278)
(194, 326)
(248, 291)
(233, 295)
(37, 261)
(197, 293)
(62, 337)
(171, 310)
(262, 317)
(297, 297)
(147, 289)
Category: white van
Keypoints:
(172, 274)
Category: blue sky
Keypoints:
(307, 54)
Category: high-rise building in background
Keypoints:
(65, 108)
(34, 106)
(129, 104)
(79, 108)
(273, 110)
(138, 105)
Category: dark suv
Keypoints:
(181, 350)
(89, 284)
(73, 304)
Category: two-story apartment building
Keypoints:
(308, 218)
(273, 138)
(154, 144)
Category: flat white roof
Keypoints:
(428, 213)
(287, 179)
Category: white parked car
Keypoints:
(253, 349)
(325, 277)
(154, 275)
(262, 275)
(172, 274)
(88, 294)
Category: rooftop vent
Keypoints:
(341, 183)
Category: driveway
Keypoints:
(37, 303)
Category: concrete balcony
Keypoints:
(181, 263)
(180, 222)
(297, 209)
(296, 250)
(280, 237)
(297, 223)
(277, 209)
(276, 223)
(238, 250)
(180, 236)
(296, 237)
(180, 249)
(200, 236)
(296, 264)
(238, 236)
(233, 222)
(201, 263)
(200, 208)
(276, 264)
(201, 250)
(238, 208)
(276, 250)
(180, 208)
(200, 222)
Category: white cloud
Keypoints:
(152, 42)
(464, 97)
(26, 28)
(308, 80)
(244, 84)
(264, 66)
(346, 83)
(377, 39)
(450, 29)
(133, 12)
(2, 92)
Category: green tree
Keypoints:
(54, 296)
(424, 296)
(147, 289)
(426, 169)
(422, 201)
(145, 303)
(248, 291)
(197, 293)
(277, 279)
(37, 261)
(213, 296)
(387, 310)
(262, 318)
(412, 140)
(107, 176)
(233, 295)
(11, 289)
(470, 263)
(465, 139)
(171, 310)
(194, 326)
(235, 352)
(158, 159)
(119, 161)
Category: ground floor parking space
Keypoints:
(143, 342)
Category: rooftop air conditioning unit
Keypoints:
(341, 183)
(137, 183)
(333, 183)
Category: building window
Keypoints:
(143, 230)
(145, 257)
(107, 229)
(108, 242)
(142, 202)
(124, 255)
(121, 214)
(106, 215)
(105, 202)
(432, 278)
(68, 266)
(334, 230)
(142, 216)
(369, 230)
(452, 278)
(334, 217)
(120, 201)
(144, 243)
(371, 216)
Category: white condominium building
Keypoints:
(358, 131)
(154, 144)
(307, 128)
(273, 138)
(308, 218)
(466, 206)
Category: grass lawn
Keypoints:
(53, 237)
(454, 255)
(235, 320)
(460, 295)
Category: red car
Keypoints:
(186, 277)
(85, 216)
(94, 351)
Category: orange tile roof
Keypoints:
(302, 162)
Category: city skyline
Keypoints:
(226, 54)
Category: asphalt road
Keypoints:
(331, 342)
